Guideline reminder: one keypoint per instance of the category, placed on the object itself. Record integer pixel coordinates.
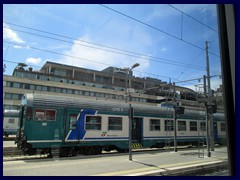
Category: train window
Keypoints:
(115, 123)
(193, 126)
(182, 126)
(223, 126)
(39, 114)
(93, 122)
(10, 120)
(73, 121)
(50, 115)
(155, 125)
(45, 115)
(168, 125)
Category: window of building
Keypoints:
(193, 126)
(15, 97)
(52, 89)
(115, 123)
(155, 125)
(69, 91)
(168, 125)
(32, 87)
(25, 75)
(19, 74)
(64, 90)
(26, 86)
(45, 115)
(9, 84)
(32, 76)
(182, 126)
(8, 96)
(44, 88)
(93, 123)
(58, 90)
(39, 88)
(60, 72)
(16, 85)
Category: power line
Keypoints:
(193, 18)
(39, 49)
(148, 25)
(141, 56)
(178, 81)
(190, 63)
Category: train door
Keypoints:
(137, 129)
(70, 123)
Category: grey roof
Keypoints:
(54, 101)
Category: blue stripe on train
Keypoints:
(80, 132)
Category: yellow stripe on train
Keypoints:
(136, 145)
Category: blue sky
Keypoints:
(165, 46)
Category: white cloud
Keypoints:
(17, 47)
(97, 59)
(33, 61)
(11, 35)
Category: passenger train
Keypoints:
(76, 125)
(10, 122)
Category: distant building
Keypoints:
(108, 84)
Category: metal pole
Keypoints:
(209, 100)
(175, 119)
(130, 119)
(206, 116)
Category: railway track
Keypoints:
(13, 154)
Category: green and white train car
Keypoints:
(77, 125)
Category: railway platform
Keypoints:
(150, 163)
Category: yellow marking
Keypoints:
(136, 145)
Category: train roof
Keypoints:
(11, 112)
(54, 101)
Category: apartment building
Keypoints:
(109, 85)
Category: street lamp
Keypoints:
(128, 70)
(128, 86)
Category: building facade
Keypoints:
(109, 85)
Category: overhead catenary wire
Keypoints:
(155, 28)
(140, 55)
(84, 59)
(193, 18)
(177, 80)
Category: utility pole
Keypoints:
(175, 117)
(130, 115)
(206, 116)
(209, 101)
